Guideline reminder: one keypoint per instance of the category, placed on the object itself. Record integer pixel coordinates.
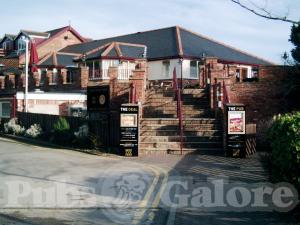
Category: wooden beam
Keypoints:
(178, 42)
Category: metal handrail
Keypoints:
(179, 107)
(225, 94)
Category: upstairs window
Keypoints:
(21, 44)
(166, 68)
(193, 69)
(54, 76)
(70, 78)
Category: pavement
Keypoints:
(46, 186)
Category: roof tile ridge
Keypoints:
(226, 45)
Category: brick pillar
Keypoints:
(84, 77)
(49, 76)
(36, 79)
(113, 78)
(22, 80)
(138, 78)
(63, 76)
(2, 82)
(12, 80)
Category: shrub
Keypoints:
(61, 126)
(61, 132)
(34, 131)
(12, 127)
(284, 135)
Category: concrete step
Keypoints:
(185, 90)
(171, 121)
(173, 106)
(193, 127)
(173, 110)
(170, 97)
(205, 133)
(176, 151)
(159, 114)
(174, 145)
(177, 138)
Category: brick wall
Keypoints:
(55, 44)
(263, 99)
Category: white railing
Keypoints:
(98, 74)
(123, 74)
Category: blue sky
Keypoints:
(220, 19)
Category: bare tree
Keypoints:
(263, 12)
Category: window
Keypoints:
(21, 44)
(193, 69)
(4, 109)
(43, 76)
(54, 76)
(254, 72)
(166, 68)
(237, 75)
(5, 45)
(70, 77)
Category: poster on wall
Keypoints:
(236, 122)
(128, 120)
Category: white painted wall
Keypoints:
(156, 69)
(56, 98)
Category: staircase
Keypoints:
(159, 131)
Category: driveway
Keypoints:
(51, 186)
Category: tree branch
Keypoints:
(267, 15)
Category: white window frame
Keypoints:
(71, 75)
(21, 44)
(54, 76)
(1, 109)
(197, 70)
(166, 68)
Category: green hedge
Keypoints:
(284, 135)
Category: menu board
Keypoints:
(129, 130)
(236, 120)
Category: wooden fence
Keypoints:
(105, 128)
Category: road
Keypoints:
(52, 186)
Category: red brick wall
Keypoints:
(263, 99)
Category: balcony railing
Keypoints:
(102, 74)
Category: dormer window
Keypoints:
(21, 44)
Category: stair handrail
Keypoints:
(179, 106)
(225, 94)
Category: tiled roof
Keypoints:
(55, 31)
(9, 63)
(59, 60)
(8, 36)
(167, 42)
(35, 33)
(117, 50)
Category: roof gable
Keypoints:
(116, 50)
(10, 37)
(160, 43)
(175, 42)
